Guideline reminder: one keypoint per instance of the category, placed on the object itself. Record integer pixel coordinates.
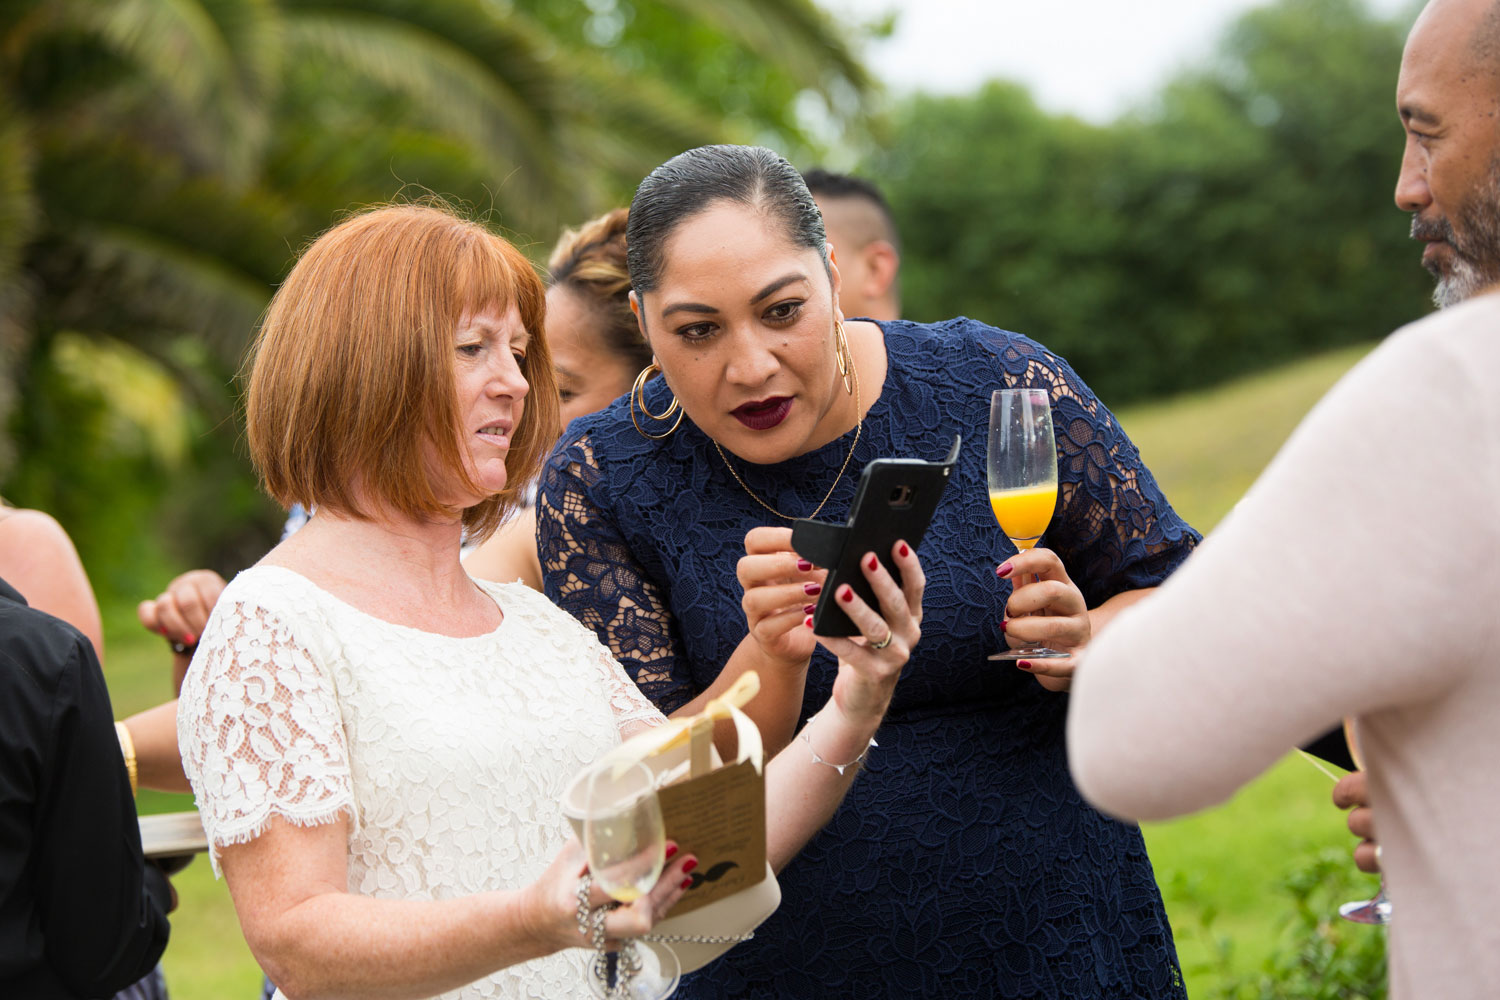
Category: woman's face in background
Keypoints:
(742, 324)
(589, 375)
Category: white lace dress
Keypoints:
(448, 755)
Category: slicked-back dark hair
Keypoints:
(690, 182)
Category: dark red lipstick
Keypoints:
(763, 414)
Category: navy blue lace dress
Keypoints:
(963, 862)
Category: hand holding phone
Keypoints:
(895, 500)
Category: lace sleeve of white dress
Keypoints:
(633, 711)
(259, 728)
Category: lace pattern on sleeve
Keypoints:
(260, 731)
(590, 572)
(633, 711)
(1115, 529)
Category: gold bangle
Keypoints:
(127, 748)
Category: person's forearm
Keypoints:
(1287, 618)
(180, 664)
(1102, 615)
(338, 944)
(774, 710)
(158, 762)
(802, 792)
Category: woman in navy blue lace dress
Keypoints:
(963, 863)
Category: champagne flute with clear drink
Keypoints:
(626, 844)
(1022, 468)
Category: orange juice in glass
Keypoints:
(1024, 512)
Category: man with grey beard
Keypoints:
(1448, 97)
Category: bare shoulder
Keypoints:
(31, 540)
(19, 526)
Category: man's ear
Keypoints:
(884, 263)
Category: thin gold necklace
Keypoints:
(859, 423)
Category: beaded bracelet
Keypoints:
(840, 768)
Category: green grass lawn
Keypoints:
(1222, 866)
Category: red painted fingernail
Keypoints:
(804, 565)
(689, 865)
(671, 850)
(1002, 626)
(808, 609)
(812, 588)
(808, 621)
(872, 563)
(190, 639)
(847, 594)
(1025, 665)
(1004, 570)
(685, 883)
(904, 550)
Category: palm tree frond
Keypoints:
(449, 87)
(133, 284)
(796, 34)
(217, 61)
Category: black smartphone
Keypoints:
(895, 500)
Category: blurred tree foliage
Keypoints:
(1245, 218)
(161, 161)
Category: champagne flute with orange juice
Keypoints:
(1022, 466)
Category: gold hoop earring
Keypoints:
(842, 355)
(638, 398)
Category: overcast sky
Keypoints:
(1094, 58)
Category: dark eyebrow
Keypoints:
(697, 307)
(777, 285)
(769, 290)
(1410, 112)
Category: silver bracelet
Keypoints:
(840, 768)
(627, 961)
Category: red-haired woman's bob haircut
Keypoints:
(352, 389)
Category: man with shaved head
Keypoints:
(865, 244)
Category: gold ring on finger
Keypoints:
(889, 635)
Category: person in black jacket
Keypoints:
(82, 914)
